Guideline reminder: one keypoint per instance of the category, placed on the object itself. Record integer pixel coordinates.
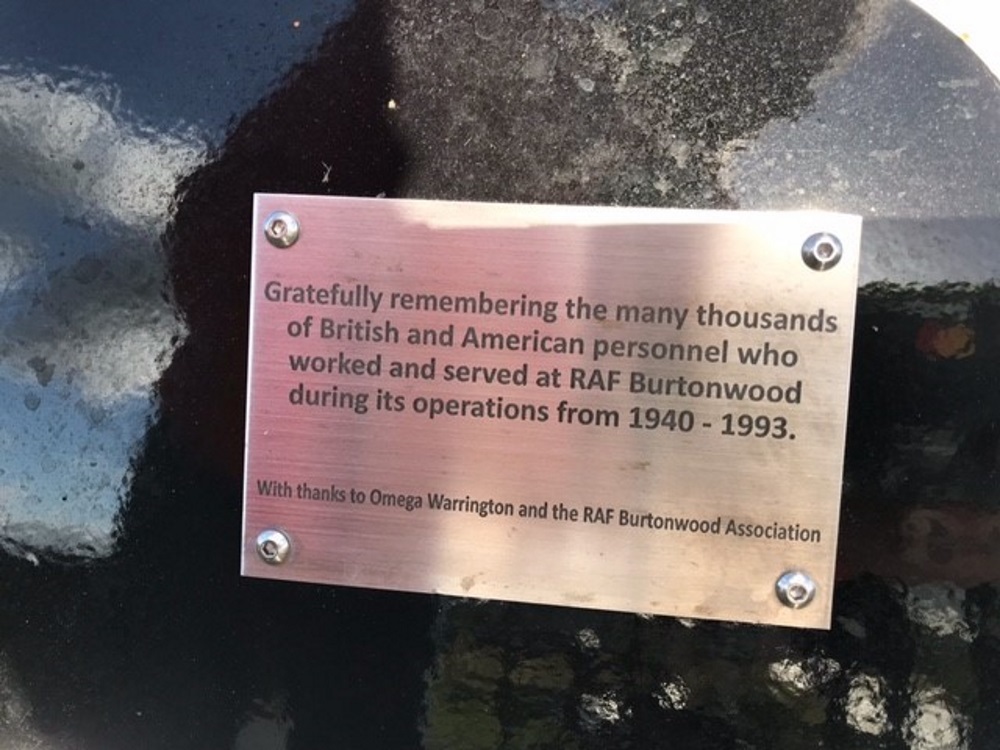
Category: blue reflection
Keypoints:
(200, 62)
(96, 133)
(85, 329)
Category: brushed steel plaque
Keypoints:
(615, 408)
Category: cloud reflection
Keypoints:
(85, 329)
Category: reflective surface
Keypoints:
(96, 137)
(449, 397)
(128, 141)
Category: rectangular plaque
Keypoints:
(614, 408)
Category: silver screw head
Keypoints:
(273, 546)
(281, 229)
(822, 251)
(795, 589)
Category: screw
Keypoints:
(273, 546)
(281, 229)
(795, 589)
(822, 251)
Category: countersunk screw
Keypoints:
(822, 251)
(281, 229)
(795, 589)
(273, 546)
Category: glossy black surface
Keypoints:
(134, 137)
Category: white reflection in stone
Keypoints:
(74, 144)
(85, 331)
(934, 723)
(599, 710)
(673, 695)
(588, 640)
(940, 608)
(865, 707)
(804, 675)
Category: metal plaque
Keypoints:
(614, 408)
